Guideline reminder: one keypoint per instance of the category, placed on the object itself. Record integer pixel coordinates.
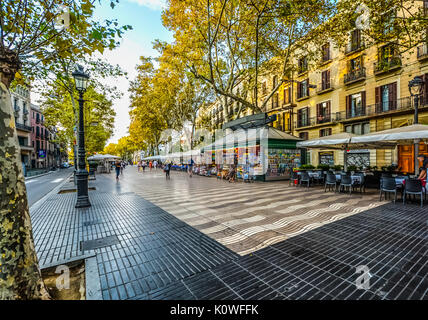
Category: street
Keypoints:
(37, 188)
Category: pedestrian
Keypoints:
(155, 164)
(167, 169)
(118, 167)
(122, 165)
(144, 164)
(150, 165)
(424, 168)
(139, 166)
(232, 174)
(190, 168)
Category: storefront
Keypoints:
(265, 153)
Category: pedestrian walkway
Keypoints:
(146, 252)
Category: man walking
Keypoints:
(117, 167)
(167, 169)
(191, 163)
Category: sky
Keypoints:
(145, 18)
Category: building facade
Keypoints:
(357, 89)
(21, 107)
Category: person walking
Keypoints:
(144, 164)
(167, 169)
(139, 166)
(155, 164)
(190, 168)
(117, 167)
(150, 165)
(122, 165)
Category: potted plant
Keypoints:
(337, 167)
(323, 167)
(307, 167)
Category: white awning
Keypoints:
(412, 132)
(336, 141)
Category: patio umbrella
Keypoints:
(413, 134)
(343, 141)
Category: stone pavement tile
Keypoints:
(160, 256)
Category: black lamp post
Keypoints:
(81, 80)
(415, 88)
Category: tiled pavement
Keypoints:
(161, 256)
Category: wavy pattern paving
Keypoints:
(247, 217)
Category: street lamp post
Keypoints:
(415, 88)
(81, 80)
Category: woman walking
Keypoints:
(118, 167)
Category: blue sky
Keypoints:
(145, 18)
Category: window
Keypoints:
(358, 128)
(356, 63)
(264, 89)
(323, 112)
(325, 52)
(303, 117)
(287, 95)
(325, 80)
(325, 132)
(355, 42)
(37, 131)
(274, 82)
(355, 105)
(303, 89)
(303, 65)
(386, 97)
(275, 100)
(304, 135)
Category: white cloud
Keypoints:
(152, 4)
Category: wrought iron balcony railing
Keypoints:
(387, 65)
(355, 75)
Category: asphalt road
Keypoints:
(38, 187)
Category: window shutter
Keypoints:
(363, 102)
(327, 75)
(328, 109)
(348, 105)
(299, 84)
(425, 90)
(307, 87)
(392, 96)
(378, 99)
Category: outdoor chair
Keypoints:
(388, 185)
(345, 182)
(414, 186)
(294, 176)
(362, 183)
(330, 181)
(305, 178)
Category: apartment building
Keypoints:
(21, 105)
(357, 89)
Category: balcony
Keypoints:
(423, 52)
(16, 108)
(26, 111)
(37, 120)
(319, 120)
(23, 127)
(385, 66)
(324, 87)
(399, 105)
(355, 76)
(325, 118)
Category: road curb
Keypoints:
(39, 175)
(37, 204)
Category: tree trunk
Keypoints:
(20, 276)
